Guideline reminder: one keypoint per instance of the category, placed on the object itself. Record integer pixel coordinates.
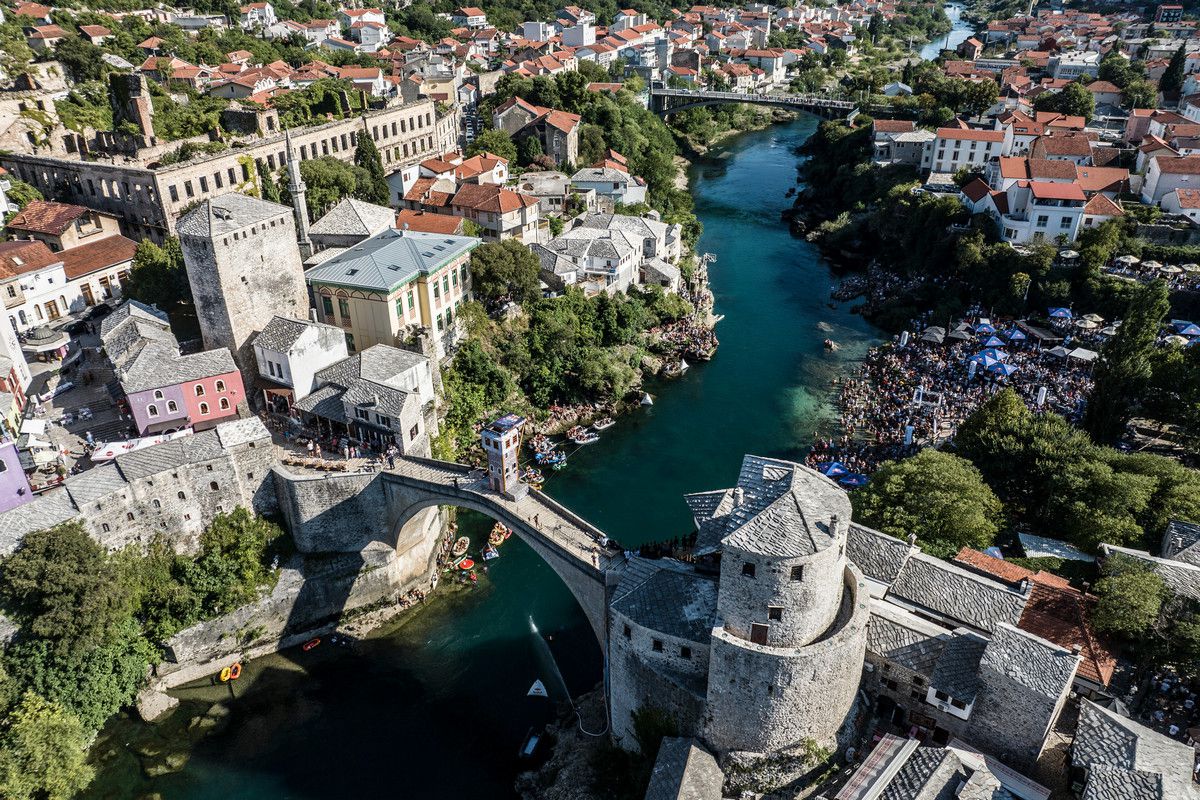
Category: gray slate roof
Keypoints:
(684, 771)
(46, 511)
(352, 217)
(1107, 782)
(1181, 542)
(282, 332)
(325, 402)
(157, 366)
(1041, 666)
(229, 212)
(878, 555)
(1181, 577)
(380, 363)
(676, 603)
(905, 639)
(390, 258)
(952, 592)
(1103, 737)
(131, 309)
(198, 447)
(97, 482)
(920, 771)
(957, 670)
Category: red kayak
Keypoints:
(311, 643)
(466, 563)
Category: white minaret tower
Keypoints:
(296, 189)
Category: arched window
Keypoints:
(199, 390)
(129, 516)
(182, 496)
(224, 404)
(172, 407)
(204, 409)
(214, 486)
(158, 395)
(157, 504)
(152, 410)
(220, 386)
(104, 527)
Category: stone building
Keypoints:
(173, 489)
(791, 610)
(149, 197)
(244, 268)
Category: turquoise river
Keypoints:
(437, 707)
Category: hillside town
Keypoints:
(294, 292)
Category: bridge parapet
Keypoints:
(666, 101)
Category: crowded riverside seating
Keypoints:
(915, 391)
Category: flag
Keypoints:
(537, 690)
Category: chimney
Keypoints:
(738, 497)
(312, 315)
(833, 525)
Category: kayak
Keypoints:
(465, 564)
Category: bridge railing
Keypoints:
(790, 99)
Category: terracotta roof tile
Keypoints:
(44, 216)
(97, 255)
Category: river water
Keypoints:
(958, 34)
(437, 708)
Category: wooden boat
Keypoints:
(460, 546)
(603, 424)
(490, 552)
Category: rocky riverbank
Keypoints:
(576, 769)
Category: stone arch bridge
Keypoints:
(665, 101)
(395, 509)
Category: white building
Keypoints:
(619, 187)
(290, 352)
(1165, 174)
(955, 148)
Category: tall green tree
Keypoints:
(1124, 369)
(158, 275)
(1074, 99)
(496, 142)
(374, 188)
(233, 566)
(1172, 78)
(43, 753)
(937, 496)
(506, 270)
(1130, 597)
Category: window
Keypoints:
(158, 395)
(1064, 223)
(327, 305)
(657, 645)
(628, 632)
(129, 516)
(412, 434)
(344, 309)
(410, 300)
(104, 527)
(199, 390)
(1042, 220)
(748, 570)
(182, 496)
(685, 652)
(775, 613)
(798, 572)
(152, 410)
(224, 404)
(959, 704)
(220, 386)
(891, 684)
(214, 486)
(446, 284)
(436, 290)
(940, 695)
(157, 504)
(918, 680)
(170, 189)
(172, 406)
(204, 409)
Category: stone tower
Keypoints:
(788, 643)
(244, 268)
(296, 189)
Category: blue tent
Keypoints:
(1015, 335)
(984, 328)
(853, 480)
(1192, 329)
(994, 341)
(833, 469)
(1000, 368)
(1060, 313)
(1179, 324)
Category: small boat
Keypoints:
(235, 671)
(310, 644)
(557, 465)
(460, 546)
(490, 552)
(529, 747)
(551, 459)
(226, 672)
(683, 366)
(647, 400)
(603, 424)
(466, 564)
(584, 436)
(498, 535)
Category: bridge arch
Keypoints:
(396, 508)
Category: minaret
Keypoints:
(296, 189)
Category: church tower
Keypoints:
(296, 189)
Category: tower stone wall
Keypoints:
(244, 267)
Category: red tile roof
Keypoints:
(970, 134)
(894, 125)
(101, 254)
(489, 197)
(428, 222)
(17, 258)
(48, 217)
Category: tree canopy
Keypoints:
(502, 271)
(939, 497)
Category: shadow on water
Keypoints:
(437, 706)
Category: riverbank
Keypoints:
(441, 702)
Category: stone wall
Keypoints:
(1010, 721)
(906, 681)
(763, 698)
(641, 676)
